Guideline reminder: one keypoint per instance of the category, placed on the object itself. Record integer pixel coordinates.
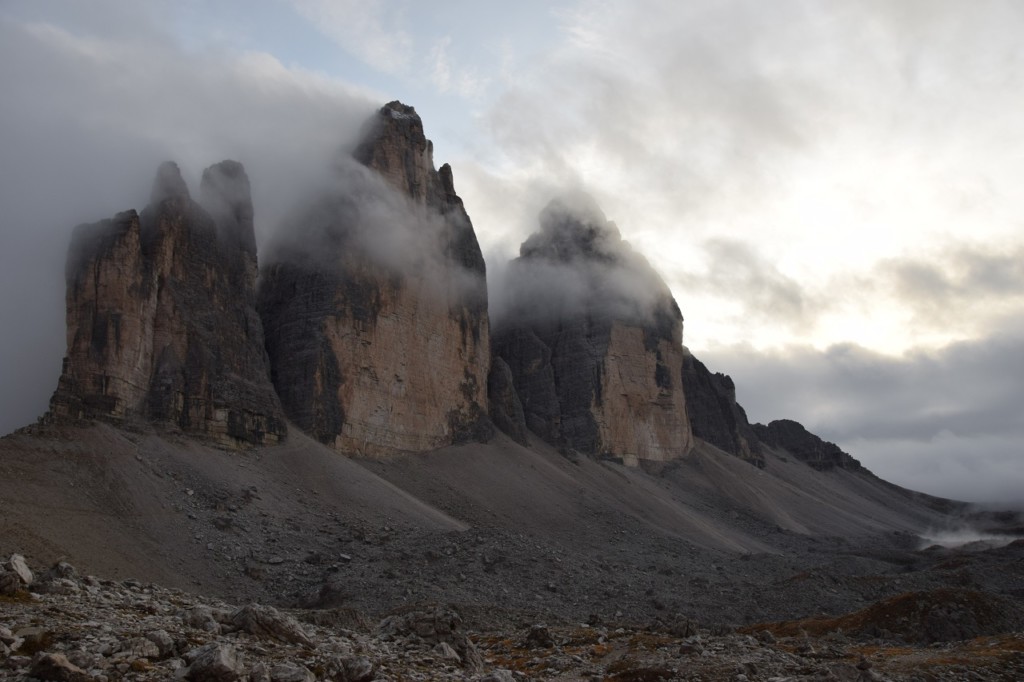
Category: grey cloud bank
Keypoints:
(950, 422)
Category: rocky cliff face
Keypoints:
(504, 406)
(161, 316)
(804, 445)
(593, 339)
(715, 415)
(375, 305)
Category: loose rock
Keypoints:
(266, 621)
(215, 663)
(17, 565)
(58, 668)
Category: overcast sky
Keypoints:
(830, 188)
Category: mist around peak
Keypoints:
(578, 264)
(359, 216)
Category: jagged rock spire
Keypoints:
(162, 323)
(168, 184)
(226, 194)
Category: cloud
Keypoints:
(668, 91)
(984, 469)
(90, 110)
(961, 284)
(947, 421)
(577, 264)
(465, 82)
(413, 44)
(742, 278)
(365, 29)
(825, 137)
(356, 218)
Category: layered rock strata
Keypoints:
(375, 305)
(593, 339)
(161, 315)
(715, 415)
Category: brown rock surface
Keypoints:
(161, 317)
(376, 306)
(593, 338)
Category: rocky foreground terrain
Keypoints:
(56, 624)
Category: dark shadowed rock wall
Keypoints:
(715, 415)
(804, 445)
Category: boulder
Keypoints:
(202, 618)
(215, 662)
(291, 672)
(61, 570)
(354, 669)
(539, 637)
(163, 641)
(10, 583)
(445, 652)
(57, 668)
(18, 566)
(140, 647)
(268, 622)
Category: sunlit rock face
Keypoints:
(593, 339)
(375, 302)
(161, 315)
(715, 415)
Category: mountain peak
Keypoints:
(391, 321)
(226, 194)
(574, 227)
(394, 145)
(168, 184)
(399, 111)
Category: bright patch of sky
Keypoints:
(445, 58)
